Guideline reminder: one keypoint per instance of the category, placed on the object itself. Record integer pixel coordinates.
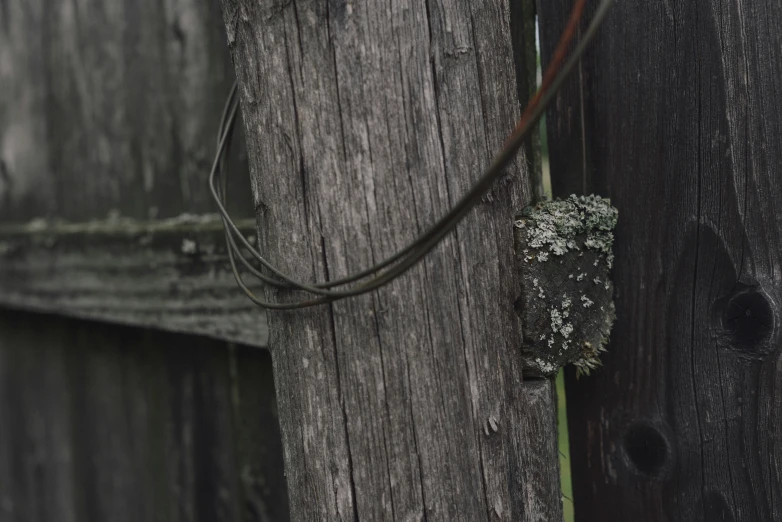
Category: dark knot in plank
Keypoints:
(564, 251)
(748, 321)
(647, 449)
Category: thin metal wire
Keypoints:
(410, 255)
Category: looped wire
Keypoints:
(396, 265)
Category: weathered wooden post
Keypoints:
(677, 118)
(365, 121)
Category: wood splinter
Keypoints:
(564, 250)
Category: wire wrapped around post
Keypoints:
(386, 271)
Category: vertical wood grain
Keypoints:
(112, 108)
(676, 117)
(101, 422)
(365, 122)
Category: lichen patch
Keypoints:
(554, 226)
(565, 257)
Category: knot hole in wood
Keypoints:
(647, 449)
(748, 321)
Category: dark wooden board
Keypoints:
(112, 108)
(101, 422)
(676, 115)
(365, 121)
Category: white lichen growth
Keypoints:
(558, 324)
(555, 226)
(566, 330)
(566, 302)
(189, 247)
(574, 226)
(545, 366)
(556, 320)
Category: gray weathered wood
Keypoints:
(169, 274)
(110, 114)
(112, 107)
(677, 118)
(365, 122)
(101, 422)
(538, 445)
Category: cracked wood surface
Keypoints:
(365, 122)
(678, 120)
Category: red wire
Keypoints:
(551, 71)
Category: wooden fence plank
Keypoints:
(108, 119)
(109, 423)
(536, 438)
(112, 107)
(37, 434)
(108, 115)
(169, 274)
(677, 118)
(257, 443)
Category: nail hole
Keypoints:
(646, 448)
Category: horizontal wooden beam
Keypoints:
(170, 274)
